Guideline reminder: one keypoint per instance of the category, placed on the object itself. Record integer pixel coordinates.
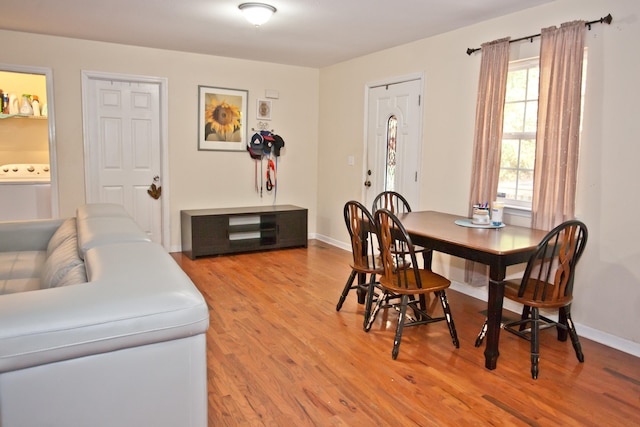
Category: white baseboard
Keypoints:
(330, 241)
(584, 331)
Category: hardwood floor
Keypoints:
(280, 355)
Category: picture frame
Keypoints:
(222, 118)
(264, 109)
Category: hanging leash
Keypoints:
(275, 171)
(271, 183)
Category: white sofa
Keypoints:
(109, 333)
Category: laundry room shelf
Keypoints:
(21, 116)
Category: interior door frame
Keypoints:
(393, 80)
(51, 123)
(162, 83)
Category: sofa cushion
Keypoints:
(60, 262)
(101, 231)
(22, 264)
(11, 286)
(66, 230)
(75, 276)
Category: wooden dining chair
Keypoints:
(391, 200)
(397, 205)
(547, 284)
(364, 247)
(406, 280)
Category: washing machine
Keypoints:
(25, 192)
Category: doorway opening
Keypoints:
(28, 178)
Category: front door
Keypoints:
(123, 147)
(393, 140)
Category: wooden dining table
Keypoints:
(497, 248)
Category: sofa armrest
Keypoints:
(33, 235)
(136, 295)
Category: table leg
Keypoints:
(362, 283)
(494, 319)
(427, 258)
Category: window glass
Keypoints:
(390, 176)
(519, 134)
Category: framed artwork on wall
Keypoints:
(222, 117)
(264, 109)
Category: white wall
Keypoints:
(198, 179)
(608, 280)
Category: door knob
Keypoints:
(367, 183)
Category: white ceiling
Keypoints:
(312, 33)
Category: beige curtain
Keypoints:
(559, 102)
(492, 87)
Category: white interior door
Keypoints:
(388, 102)
(123, 147)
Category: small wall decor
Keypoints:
(155, 191)
(222, 115)
(264, 109)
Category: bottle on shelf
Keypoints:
(26, 108)
(35, 105)
(14, 104)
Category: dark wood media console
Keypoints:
(232, 230)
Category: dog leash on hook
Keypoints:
(270, 184)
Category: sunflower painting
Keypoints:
(222, 119)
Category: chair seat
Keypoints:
(431, 282)
(512, 288)
(368, 265)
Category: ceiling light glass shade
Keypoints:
(257, 13)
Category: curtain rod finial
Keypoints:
(607, 19)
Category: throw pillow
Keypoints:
(75, 276)
(61, 260)
(66, 230)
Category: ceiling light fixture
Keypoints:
(257, 13)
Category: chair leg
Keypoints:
(346, 290)
(482, 334)
(574, 335)
(369, 303)
(535, 342)
(373, 315)
(403, 312)
(562, 320)
(448, 317)
(526, 312)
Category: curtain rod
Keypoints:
(606, 20)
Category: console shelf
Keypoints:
(231, 230)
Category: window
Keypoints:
(518, 153)
(390, 176)
(519, 134)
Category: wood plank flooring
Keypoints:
(280, 355)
